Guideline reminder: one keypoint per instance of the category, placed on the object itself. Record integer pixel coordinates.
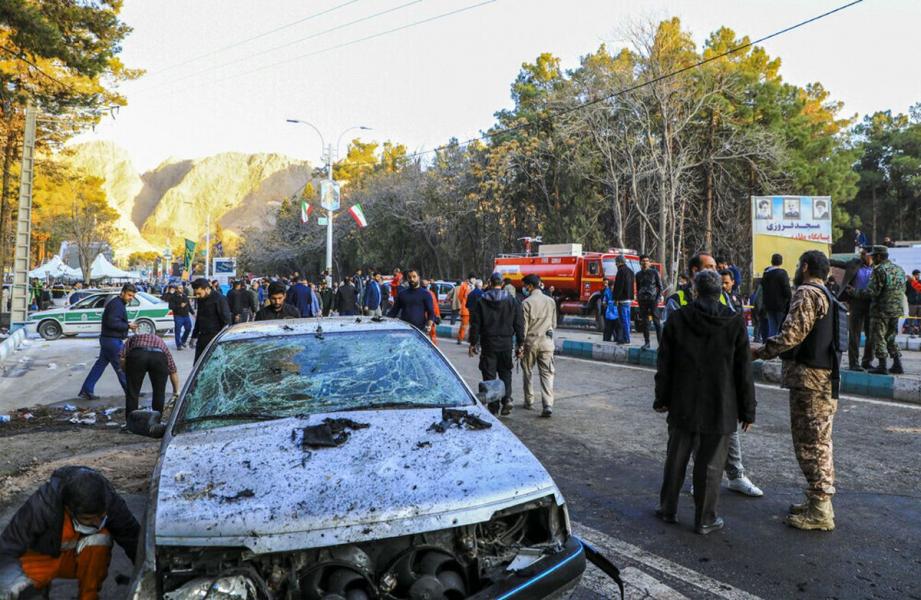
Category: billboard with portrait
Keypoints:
(789, 225)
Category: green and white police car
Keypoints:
(151, 314)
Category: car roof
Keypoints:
(332, 325)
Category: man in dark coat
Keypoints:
(277, 308)
(623, 295)
(775, 294)
(857, 275)
(65, 531)
(496, 323)
(213, 315)
(181, 306)
(704, 382)
(346, 301)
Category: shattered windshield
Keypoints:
(282, 376)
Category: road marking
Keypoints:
(764, 386)
(610, 545)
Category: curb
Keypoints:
(9, 345)
(905, 388)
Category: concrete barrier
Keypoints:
(9, 345)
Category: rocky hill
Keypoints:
(173, 201)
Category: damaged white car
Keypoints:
(345, 461)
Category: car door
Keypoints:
(86, 315)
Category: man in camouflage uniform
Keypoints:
(886, 292)
(812, 403)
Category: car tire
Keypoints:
(146, 326)
(50, 329)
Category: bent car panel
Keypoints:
(255, 485)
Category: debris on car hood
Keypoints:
(390, 479)
(451, 417)
(330, 433)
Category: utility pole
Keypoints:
(329, 218)
(20, 291)
(208, 245)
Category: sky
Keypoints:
(209, 90)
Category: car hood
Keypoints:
(254, 485)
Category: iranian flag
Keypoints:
(359, 216)
(306, 209)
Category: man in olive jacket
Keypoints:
(704, 382)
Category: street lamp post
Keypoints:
(329, 177)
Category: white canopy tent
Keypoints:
(103, 269)
(55, 268)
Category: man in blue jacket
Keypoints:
(301, 297)
(115, 328)
(371, 303)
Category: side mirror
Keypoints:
(491, 391)
(146, 423)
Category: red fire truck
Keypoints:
(578, 277)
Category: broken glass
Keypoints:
(307, 374)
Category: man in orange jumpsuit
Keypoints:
(463, 291)
(433, 334)
(65, 531)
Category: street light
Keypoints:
(329, 177)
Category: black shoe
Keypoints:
(865, 365)
(896, 368)
(493, 407)
(856, 368)
(644, 346)
(87, 396)
(705, 529)
(547, 413)
(506, 409)
(881, 368)
(668, 518)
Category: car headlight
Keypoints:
(229, 587)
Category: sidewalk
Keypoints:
(589, 345)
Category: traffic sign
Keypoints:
(322, 221)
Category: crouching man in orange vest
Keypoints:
(65, 531)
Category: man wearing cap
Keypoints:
(496, 326)
(886, 292)
(539, 312)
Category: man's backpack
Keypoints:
(839, 320)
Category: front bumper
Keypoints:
(549, 578)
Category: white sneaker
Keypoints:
(743, 485)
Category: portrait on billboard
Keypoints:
(791, 208)
(820, 209)
(763, 209)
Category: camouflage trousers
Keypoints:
(882, 337)
(811, 416)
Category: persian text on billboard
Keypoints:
(793, 217)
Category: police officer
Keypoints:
(496, 326)
(806, 343)
(886, 292)
(539, 311)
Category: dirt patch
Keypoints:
(29, 456)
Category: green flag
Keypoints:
(187, 258)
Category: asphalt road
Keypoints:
(605, 447)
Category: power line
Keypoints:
(632, 88)
(285, 45)
(253, 38)
(19, 56)
(368, 37)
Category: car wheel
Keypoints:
(146, 326)
(50, 330)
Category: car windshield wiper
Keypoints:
(233, 417)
